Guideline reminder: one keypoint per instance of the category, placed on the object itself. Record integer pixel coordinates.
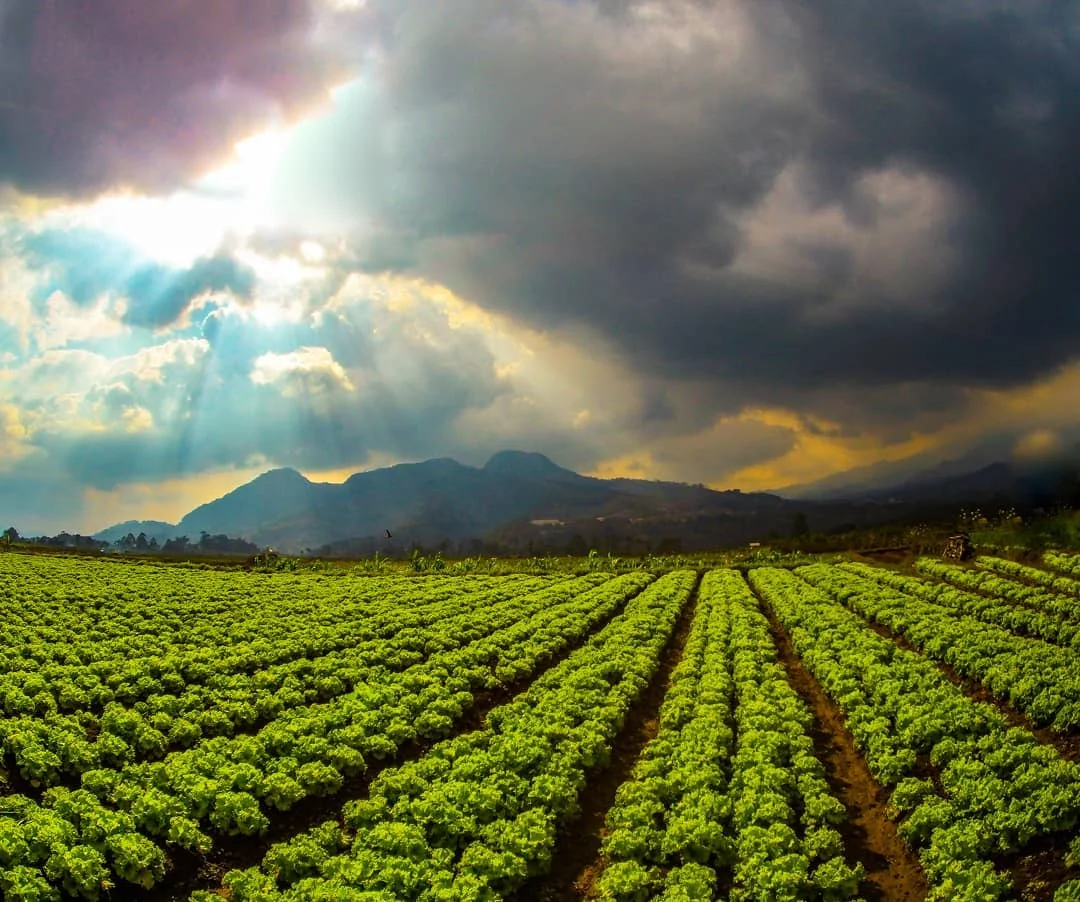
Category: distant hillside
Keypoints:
(884, 477)
(271, 498)
(525, 503)
(987, 473)
(1023, 485)
(440, 500)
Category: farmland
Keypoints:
(822, 731)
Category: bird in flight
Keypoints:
(389, 534)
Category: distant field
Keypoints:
(820, 732)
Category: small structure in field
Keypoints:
(268, 558)
(958, 548)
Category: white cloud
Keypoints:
(305, 371)
(65, 322)
(174, 230)
(890, 245)
(13, 435)
(157, 363)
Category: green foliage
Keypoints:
(81, 871)
(1000, 788)
(159, 709)
(135, 859)
(1068, 892)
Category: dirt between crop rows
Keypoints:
(576, 861)
(1066, 744)
(893, 873)
(1038, 869)
(189, 871)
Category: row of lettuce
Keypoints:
(49, 742)
(965, 787)
(1057, 622)
(1036, 676)
(120, 821)
(1061, 601)
(477, 815)
(729, 793)
(1066, 563)
(729, 798)
(121, 628)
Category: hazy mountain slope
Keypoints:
(267, 498)
(881, 478)
(441, 499)
(435, 500)
(1024, 485)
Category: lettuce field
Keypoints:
(823, 732)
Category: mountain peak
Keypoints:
(281, 476)
(528, 464)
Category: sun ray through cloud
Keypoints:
(660, 240)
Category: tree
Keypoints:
(799, 525)
(179, 545)
(10, 536)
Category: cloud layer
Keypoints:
(780, 198)
(104, 94)
(750, 243)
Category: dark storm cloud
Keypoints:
(987, 96)
(159, 295)
(580, 165)
(85, 264)
(96, 94)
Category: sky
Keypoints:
(747, 243)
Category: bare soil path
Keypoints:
(190, 871)
(577, 862)
(893, 873)
(1039, 868)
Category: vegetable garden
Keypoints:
(821, 732)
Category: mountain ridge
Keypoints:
(523, 500)
(438, 499)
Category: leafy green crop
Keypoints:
(999, 787)
(718, 790)
(148, 710)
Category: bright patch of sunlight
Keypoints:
(230, 202)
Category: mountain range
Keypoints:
(438, 500)
(522, 501)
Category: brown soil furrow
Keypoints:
(1038, 869)
(1067, 745)
(190, 871)
(577, 861)
(892, 870)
